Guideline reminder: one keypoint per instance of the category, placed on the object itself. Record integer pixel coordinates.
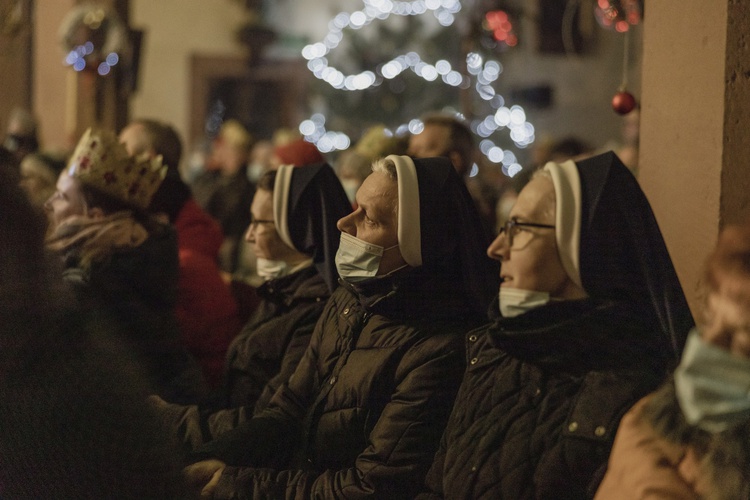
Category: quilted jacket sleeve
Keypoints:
(221, 421)
(401, 444)
(433, 485)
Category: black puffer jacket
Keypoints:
(541, 401)
(265, 354)
(137, 288)
(363, 413)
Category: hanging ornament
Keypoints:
(624, 102)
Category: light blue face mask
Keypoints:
(357, 260)
(515, 301)
(712, 385)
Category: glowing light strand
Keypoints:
(484, 72)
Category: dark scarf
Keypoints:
(579, 336)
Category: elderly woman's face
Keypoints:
(262, 234)
(376, 219)
(532, 262)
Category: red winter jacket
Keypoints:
(206, 309)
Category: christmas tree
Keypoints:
(391, 62)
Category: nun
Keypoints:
(294, 236)
(363, 413)
(590, 317)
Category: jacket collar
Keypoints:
(579, 336)
(414, 294)
(305, 284)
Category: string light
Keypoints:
(86, 22)
(485, 73)
(76, 58)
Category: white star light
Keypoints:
(484, 72)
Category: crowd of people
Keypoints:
(279, 327)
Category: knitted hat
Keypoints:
(101, 162)
(298, 152)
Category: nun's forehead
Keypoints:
(379, 193)
(536, 201)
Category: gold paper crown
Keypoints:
(101, 162)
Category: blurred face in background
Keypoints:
(432, 141)
(435, 140)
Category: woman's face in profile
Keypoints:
(532, 261)
(262, 234)
(67, 200)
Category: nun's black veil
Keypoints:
(452, 239)
(623, 254)
(316, 202)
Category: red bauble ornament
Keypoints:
(623, 102)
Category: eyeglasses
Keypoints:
(512, 227)
(254, 222)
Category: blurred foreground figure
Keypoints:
(73, 417)
(691, 438)
(121, 260)
(590, 318)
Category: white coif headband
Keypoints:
(567, 184)
(281, 202)
(409, 230)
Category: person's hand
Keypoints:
(642, 464)
(202, 477)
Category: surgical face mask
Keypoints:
(515, 301)
(357, 260)
(350, 188)
(271, 269)
(712, 385)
